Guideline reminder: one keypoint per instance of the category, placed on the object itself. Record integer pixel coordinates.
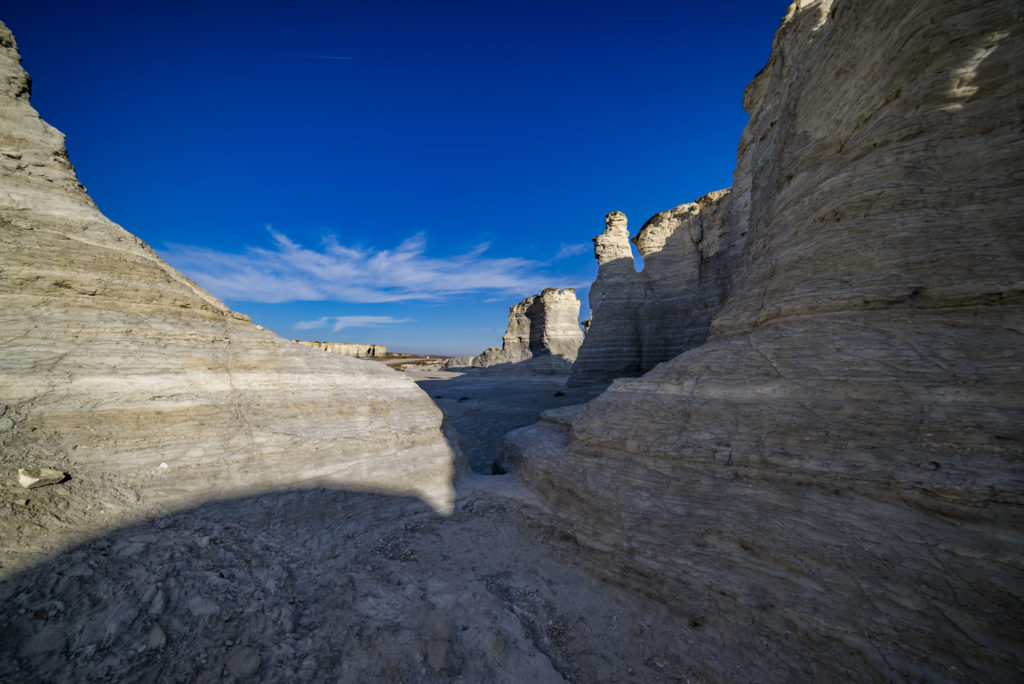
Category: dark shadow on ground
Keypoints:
(485, 405)
(326, 585)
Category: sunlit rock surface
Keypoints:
(543, 333)
(641, 318)
(830, 488)
(121, 372)
(359, 351)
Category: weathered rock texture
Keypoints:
(642, 318)
(359, 351)
(543, 330)
(120, 371)
(830, 488)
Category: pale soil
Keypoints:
(322, 585)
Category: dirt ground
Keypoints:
(484, 406)
(325, 585)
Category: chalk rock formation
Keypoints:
(359, 351)
(120, 371)
(611, 344)
(543, 330)
(643, 318)
(830, 488)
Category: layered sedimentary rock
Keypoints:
(642, 318)
(611, 345)
(359, 351)
(543, 330)
(120, 371)
(830, 488)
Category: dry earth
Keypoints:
(327, 585)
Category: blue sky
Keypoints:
(394, 173)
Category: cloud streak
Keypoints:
(289, 272)
(337, 323)
(567, 251)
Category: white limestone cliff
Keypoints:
(543, 335)
(829, 488)
(359, 351)
(640, 319)
(120, 371)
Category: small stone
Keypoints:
(200, 606)
(498, 645)
(287, 619)
(30, 478)
(156, 606)
(157, 639)
(437, 654)
(6, 423)
(242, 662)
(437, 629)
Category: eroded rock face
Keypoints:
(830, 487)
(120, 371)
(643, 318)
(543, 330)
(359, 351)
(611, 346)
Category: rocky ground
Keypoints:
(483, 406)
(318, 585)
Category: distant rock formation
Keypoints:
(359, 351)
(543, 330)
(640, 319)
(830, 486)
(123, 373)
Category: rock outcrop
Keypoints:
(121, 372)
(640, 319)
(830, 487)
(543, 335)
(359, 351)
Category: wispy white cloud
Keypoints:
(571, 250)
(289, 271)
(341, 322)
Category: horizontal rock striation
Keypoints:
(543, 330)
(643, 318)
(359, 351)
(611, 347)
(830, 488)
(120, 371)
